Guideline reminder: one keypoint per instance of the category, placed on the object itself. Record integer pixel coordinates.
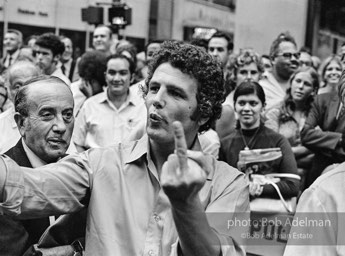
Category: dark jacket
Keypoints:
(17, 235)
(322, 132)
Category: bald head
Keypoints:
(18, 74)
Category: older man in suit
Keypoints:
(12, 42)
(44, 116)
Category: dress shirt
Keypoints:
(58, 73)
(78, 96)
(100, 124)
(128, 212)
(323, 201)
(8, 130)
(35, 161)
(67, 66)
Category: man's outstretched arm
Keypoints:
(52, 189)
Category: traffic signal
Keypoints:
(92, 15)
(120, 15)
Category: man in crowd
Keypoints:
(102, 39)
(220, 47)
(44, 117)
(284, 56)
(149, 196)
(16, 76)
(323, 131)
(151, 48)
(48, 50)
(110, 116)
(67, 63)
(305, 59)
(12, 42)
(92, 66)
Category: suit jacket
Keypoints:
(3, 59)
(73, 72)
(17, 235)
(322, 132)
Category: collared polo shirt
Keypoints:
(128, 212)
(100, 124)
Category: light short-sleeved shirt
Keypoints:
(128, 212)
(100, 124)
(320, 217)
(274, 92)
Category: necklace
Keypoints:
(251, 140)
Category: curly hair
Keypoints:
(51, 42)
(245, 57)
(289, 104)
(92, 65)
(196, 62)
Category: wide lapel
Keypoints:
(18, 154)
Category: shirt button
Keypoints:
(151, 253)
(156, 217)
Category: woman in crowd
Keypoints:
(330, 74)
(289, 117)
(249, 99)
(245, 66)
(324, 130)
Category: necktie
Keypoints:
(63, 69)
(9, 61)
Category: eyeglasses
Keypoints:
(288, 55)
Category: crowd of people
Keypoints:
(133, 151)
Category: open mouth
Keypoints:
(156, 118)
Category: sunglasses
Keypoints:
(288, 55)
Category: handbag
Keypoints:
(272, 205)
(255, 161)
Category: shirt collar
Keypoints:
(139, 149)
(14, 55)
(67, 64)
(142, 147)
(33, 158)
(132, 98)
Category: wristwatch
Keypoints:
(78, 248)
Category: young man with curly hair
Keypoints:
(153, 196)
(47, 52)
